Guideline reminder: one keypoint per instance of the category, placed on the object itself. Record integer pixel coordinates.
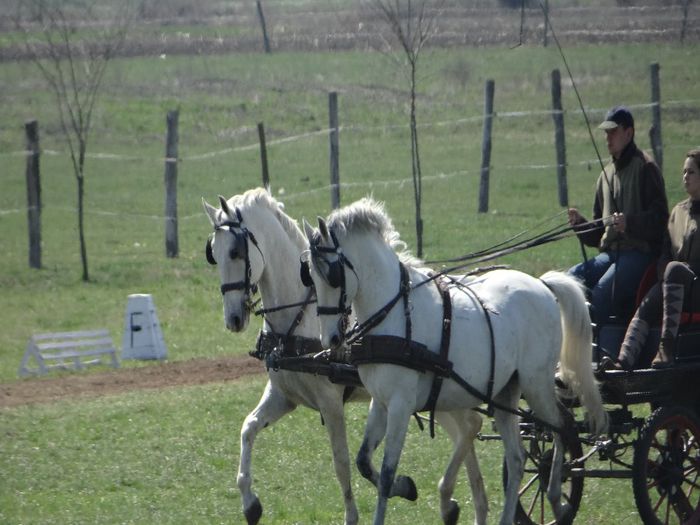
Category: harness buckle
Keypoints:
(272, 360)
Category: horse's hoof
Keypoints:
(567, 514)
(253, 513)
(411, 493)
(452, 514)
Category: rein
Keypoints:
(556, 233)
(488, 254)
(263, 311)
(504, 242)
(298, 317)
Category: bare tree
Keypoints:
(71, 43)
(412, 24)
(685, 5)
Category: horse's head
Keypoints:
(233, 248)
(325, 266)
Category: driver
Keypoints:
(630, 212)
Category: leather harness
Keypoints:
(301, 354)
(298, 354)
(403, 351)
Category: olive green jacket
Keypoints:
(631, 185)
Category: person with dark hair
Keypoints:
(678, 268)
(630, 212)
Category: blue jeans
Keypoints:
(612, 279)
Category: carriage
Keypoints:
(663, 445)
(660, 453)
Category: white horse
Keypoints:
(534, 324)
(256, 244)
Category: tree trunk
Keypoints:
(415, 165)
(81, 219)
(684, 23)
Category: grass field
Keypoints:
(125, 197)
(168, 456)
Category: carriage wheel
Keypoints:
(533, 505)
(666, 473)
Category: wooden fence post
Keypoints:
(171, 159)
(263, 157)
(486, 147)
(31, 130)
(334, 151)
(655, 131)
(261, 16)
(559, 138)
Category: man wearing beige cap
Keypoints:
(630, 212)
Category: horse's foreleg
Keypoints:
(398, 416)
(272, 406)
(335, 424)
(507, 425)
(375, 429)
(374, 433)
(462, 427)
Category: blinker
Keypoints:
(305, 274)
(335, 275)
(334, 278)
(239, 249)
(209, 253)
(240, 246)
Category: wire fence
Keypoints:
(345, 129)
(477, 119)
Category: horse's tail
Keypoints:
(575, 358)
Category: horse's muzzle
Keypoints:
(237, 322)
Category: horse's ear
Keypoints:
(210, 211)
(224, 207)
(322, 227)
(308, 230)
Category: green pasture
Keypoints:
(169, 456)
(222, 98)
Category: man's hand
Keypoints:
(575, 217)
(619, 222)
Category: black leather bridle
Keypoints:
(240, 250)
(335, 277)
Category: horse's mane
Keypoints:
(368, 215)
(259, 197)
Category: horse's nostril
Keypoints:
(335, 341)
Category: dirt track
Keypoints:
(156, 375)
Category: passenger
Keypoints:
(630, 211)
(678, 266)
